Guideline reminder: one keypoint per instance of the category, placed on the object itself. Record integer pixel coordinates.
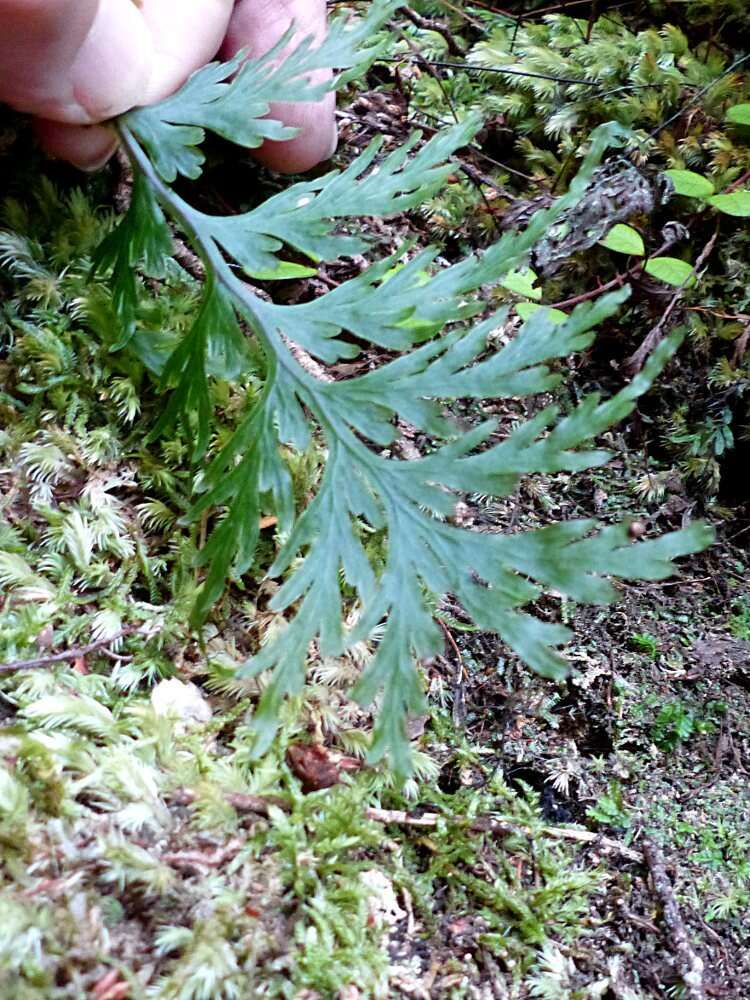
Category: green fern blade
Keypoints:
(232, 99)
(364, 488)
(142, 238)
(303, 215)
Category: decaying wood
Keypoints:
(689, 964)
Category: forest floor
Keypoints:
(559, 840)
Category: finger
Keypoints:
(136, 55)
(129, 56)
(87, 147)
(72, 65)
(257, 25)
(38, 44)
(182, 43)
(84, 61)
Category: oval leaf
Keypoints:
(522, 283)
(690, 184)
(739, 114)
(671, 270)
(284, 272)
(526, 309)
(624, 239)
(737, 203)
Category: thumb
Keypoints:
(39, 42)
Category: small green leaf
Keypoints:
(527, 309)
(522, 283)
(624, 239)
(284, 272)
(690, 184)
(739, 114)
(737, 203)
(671, 270)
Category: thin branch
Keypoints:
(689, 964)
(426, 24)
(740, 346)
(697, 96)
(72, 654)
(617, 282)
(196, 862)
(259, 805)
(637, 358)
(243, 803)
(501, 827)
(503, 70)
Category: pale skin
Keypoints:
(73, 64)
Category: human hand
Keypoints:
(73, 64)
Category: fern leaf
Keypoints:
(323, 559)
(172, 131)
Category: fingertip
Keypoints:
(316, 142)
(256, 26)
(87, 147)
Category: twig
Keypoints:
(259, 805)
(124, 186)
(503, 70)
(306, 361)
(635, 362)
(720, 314)
(241, 802)
(740, 346)
(452, 642)
(437, 26)
(197, 861)
(617, 282)
(689, 964)
(72, 654)
(487, 824)
(738, 183)
(447, 98)
(459, 693)
(187, 259)
(637, 921)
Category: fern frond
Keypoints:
(323, 559)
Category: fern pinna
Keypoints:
(422, 315)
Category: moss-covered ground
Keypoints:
(143, 853)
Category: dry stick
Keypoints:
(617, 282)
(740, 346)
(502, 70)
(698, 94)
(689, 965)
(241, 802)
(459, 697)
(70, 654)
(437, 26)
(738, 183)
(486, 824)
(446, 96)
(260, 804)
(635, 362)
